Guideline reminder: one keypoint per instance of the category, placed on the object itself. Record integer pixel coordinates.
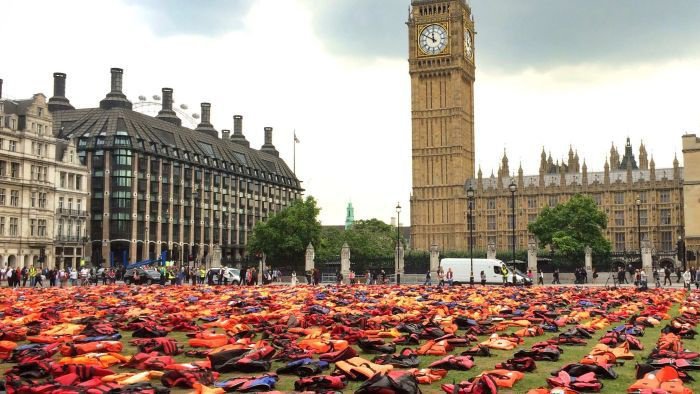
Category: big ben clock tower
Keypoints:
(441, 65)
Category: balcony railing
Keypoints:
(71, 212)
(68, 238)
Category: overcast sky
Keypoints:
(550, 73)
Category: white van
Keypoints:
(461, 269)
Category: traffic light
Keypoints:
(680, 249)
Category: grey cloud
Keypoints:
(198, 17)
(517, 34)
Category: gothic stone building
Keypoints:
(43, 188)
(157, 186)
(615, 190)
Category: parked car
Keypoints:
(231, 275)
(146, 275)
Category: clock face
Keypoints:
(468, 44)
(433, 39)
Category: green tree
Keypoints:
(367, 239)
(283, 237)
(371, 238)
(568, 228)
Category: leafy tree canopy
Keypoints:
(569, 227)
(366, 238)
(283, 237)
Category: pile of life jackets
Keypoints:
(667, 366)
(121, 339)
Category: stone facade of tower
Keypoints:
(691, 193)
(442, 69)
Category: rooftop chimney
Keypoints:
(166, 113)
(268, 147)
(116, 98)
(0, 88)
(238, 136)
(225, 134)
(59, 102)
(205, 126)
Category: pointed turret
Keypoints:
(480, 183)
(504, 164)
(606, 173)
(676, 168)
(543, 161)
(643, 160)
(614, 158)
(577, 167)
(628, 160)
(652, 169)
(521, 179)
(584, 174)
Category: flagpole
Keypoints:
(294, 159)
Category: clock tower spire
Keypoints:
(442, 68)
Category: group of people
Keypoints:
(57, 277)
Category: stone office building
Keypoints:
(615, 190)
(34, 166)
(157, 186)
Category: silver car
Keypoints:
(146, 275)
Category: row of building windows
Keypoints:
(39, 149)
(619, 219)
(12, 224)
(70, 181)
(11, 169)
(618, 199)
(10, 146)
(14, 198)
(70, 228)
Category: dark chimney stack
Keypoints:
(237, 135)
(117, 76)
(116, 98)
(205, 125)
(225, 134)
(0, 88)
(167, 98)
(59, 84)
(268, 135)
(237, 124)
(206, 113)
(268, 147)
(59, 102)
(166, 113)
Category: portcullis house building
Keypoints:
(158, 186)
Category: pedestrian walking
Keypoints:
(667, 276)
(428, 281)
(555, 277)
(686, 279)
(450, 276)
(540, 278)
(441, 278)
(679, 273)
(504, 274)
(294, 278)
(483, 278)
(656, 276)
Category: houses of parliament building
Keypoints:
(442, 63)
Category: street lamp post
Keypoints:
(513, 188)
(398, 241)
(638, 203)
(470, 223)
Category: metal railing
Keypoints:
(71, 212)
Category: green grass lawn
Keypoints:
(532, 380)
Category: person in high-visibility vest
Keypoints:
(504, 273)
(32, 275)
(202, 275)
